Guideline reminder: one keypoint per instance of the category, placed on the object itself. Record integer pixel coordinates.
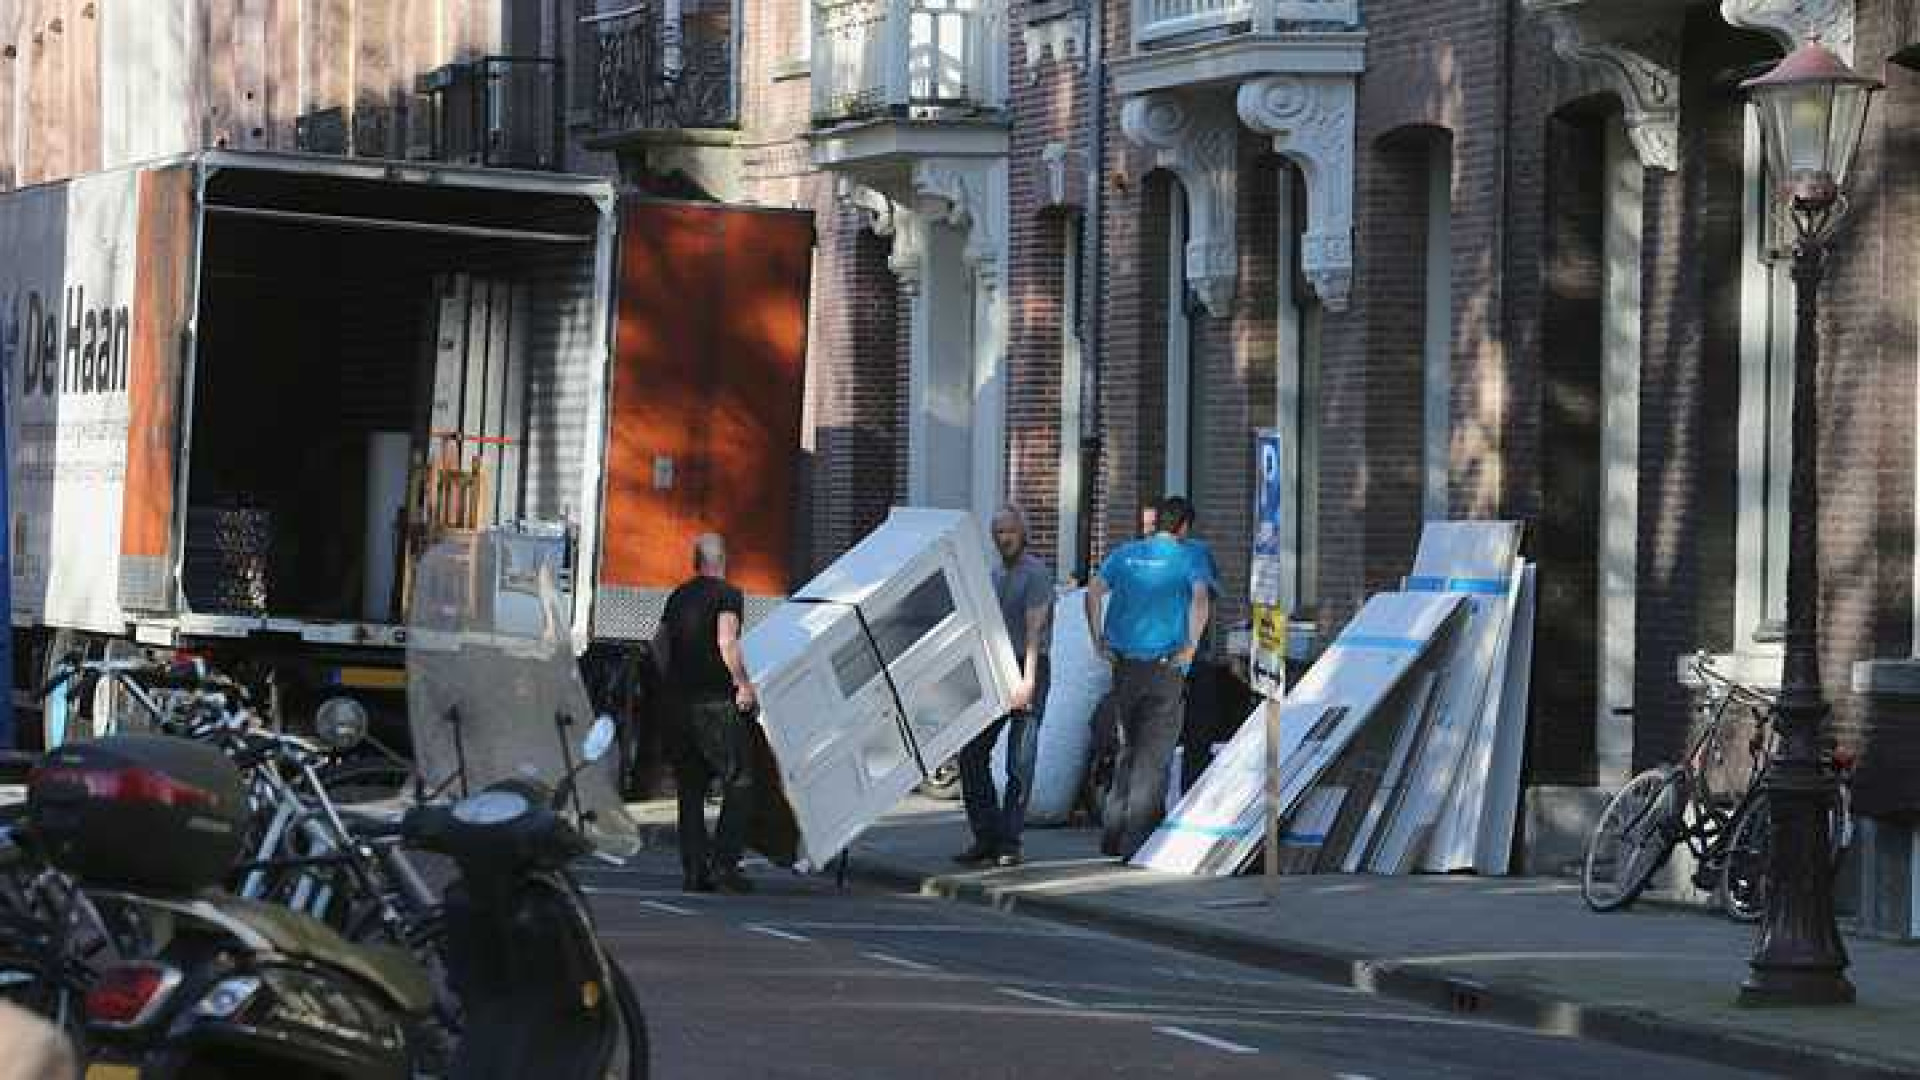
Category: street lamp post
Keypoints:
(1813, 110)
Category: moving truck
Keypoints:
(245, 390)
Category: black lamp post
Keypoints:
(1813, 110)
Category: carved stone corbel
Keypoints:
(888, 218)
(1311, 121)
(1194, 135)
(969, 194)
(1795, 22)
(1631, 47)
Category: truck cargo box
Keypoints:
(254, 385)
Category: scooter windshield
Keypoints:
(493, 686)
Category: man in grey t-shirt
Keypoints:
(1024, 587)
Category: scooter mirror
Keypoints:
(599, 739)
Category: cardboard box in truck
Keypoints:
(246, 388)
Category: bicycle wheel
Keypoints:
(1632, 839)
(1743, 866)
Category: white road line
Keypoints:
(671, 909)
(897, 961)
(1043, 999)
(935, 928)
(1351, 1076)
(1205, 1040)
(608, 890)
(781, 934)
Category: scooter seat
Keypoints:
(390, 969)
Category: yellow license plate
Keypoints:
(373, 678)
(112, 1072)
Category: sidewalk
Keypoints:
(1518, 950)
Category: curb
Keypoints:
(1515, 1003)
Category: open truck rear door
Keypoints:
(709, 367)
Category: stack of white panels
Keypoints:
(1389, 766)
(1216, 828)
(884, 665)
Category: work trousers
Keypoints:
(1146, 708)
(712, 743)
(997, 818)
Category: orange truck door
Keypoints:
(708, 371)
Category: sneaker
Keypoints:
(1009, 857)
(978, 855)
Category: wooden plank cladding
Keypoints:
(88, 84)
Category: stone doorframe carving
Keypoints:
(1632, 47)
(1795, 22)
(966, 193)
(1193, 135)
(1311, 121)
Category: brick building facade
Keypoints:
(1473, 258)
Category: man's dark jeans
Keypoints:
(712, 743)
(998, 819)
(1146, 704)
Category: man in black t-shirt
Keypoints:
(711, 702)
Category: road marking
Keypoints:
(888, 958)
(934, 928)
(1351, 1076)
(1043, 999)
(661, 905)
(605, 890)
(1204, 1040)
(781, 934)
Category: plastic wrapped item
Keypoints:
(1079, 682)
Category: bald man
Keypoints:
(711, 701)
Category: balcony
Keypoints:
(1164, 23)
(663, 66)
(907, 59)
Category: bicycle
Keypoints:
(1728, 832)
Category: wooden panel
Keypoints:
(83, 113)
(709, 353)
(250, 61)
(329, 34)
(219, 117)
(164, 246)
(10, 67)
(283, 72)
(42, 145)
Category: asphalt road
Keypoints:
(802, 980)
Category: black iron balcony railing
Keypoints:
(663, 66)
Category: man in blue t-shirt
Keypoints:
(1157, 603)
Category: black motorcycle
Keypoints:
(200, 983)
